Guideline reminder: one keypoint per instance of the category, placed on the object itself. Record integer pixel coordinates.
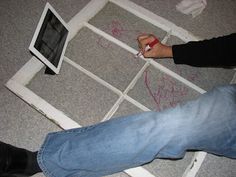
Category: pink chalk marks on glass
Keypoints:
(167, 94)
(103, 43)
(191, 75)
(117, 30)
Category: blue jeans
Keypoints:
(208, 124)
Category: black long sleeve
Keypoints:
(215, 52)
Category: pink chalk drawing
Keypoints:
(117, 30)
(103, 43)
(167, 94)
(190, 74)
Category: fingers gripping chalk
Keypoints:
(148, 47)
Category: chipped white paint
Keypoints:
(28, 71)
(195, 164)
(41, 105)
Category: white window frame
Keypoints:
(17, 84)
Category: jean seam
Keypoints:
(43, 147)
(40, 158)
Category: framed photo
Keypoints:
(50, 39)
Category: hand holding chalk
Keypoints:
(150, 47)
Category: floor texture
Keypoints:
(23, 126)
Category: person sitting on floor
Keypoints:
(207, 124)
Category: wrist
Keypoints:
(166, 52)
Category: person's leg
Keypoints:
(17, 161)
(207, 123)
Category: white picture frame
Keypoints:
(56, 58)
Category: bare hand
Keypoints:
(157, 51)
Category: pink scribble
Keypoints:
(147, 83)
(191, 75)
(116, 29)
(167, 94)
(103, 43)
